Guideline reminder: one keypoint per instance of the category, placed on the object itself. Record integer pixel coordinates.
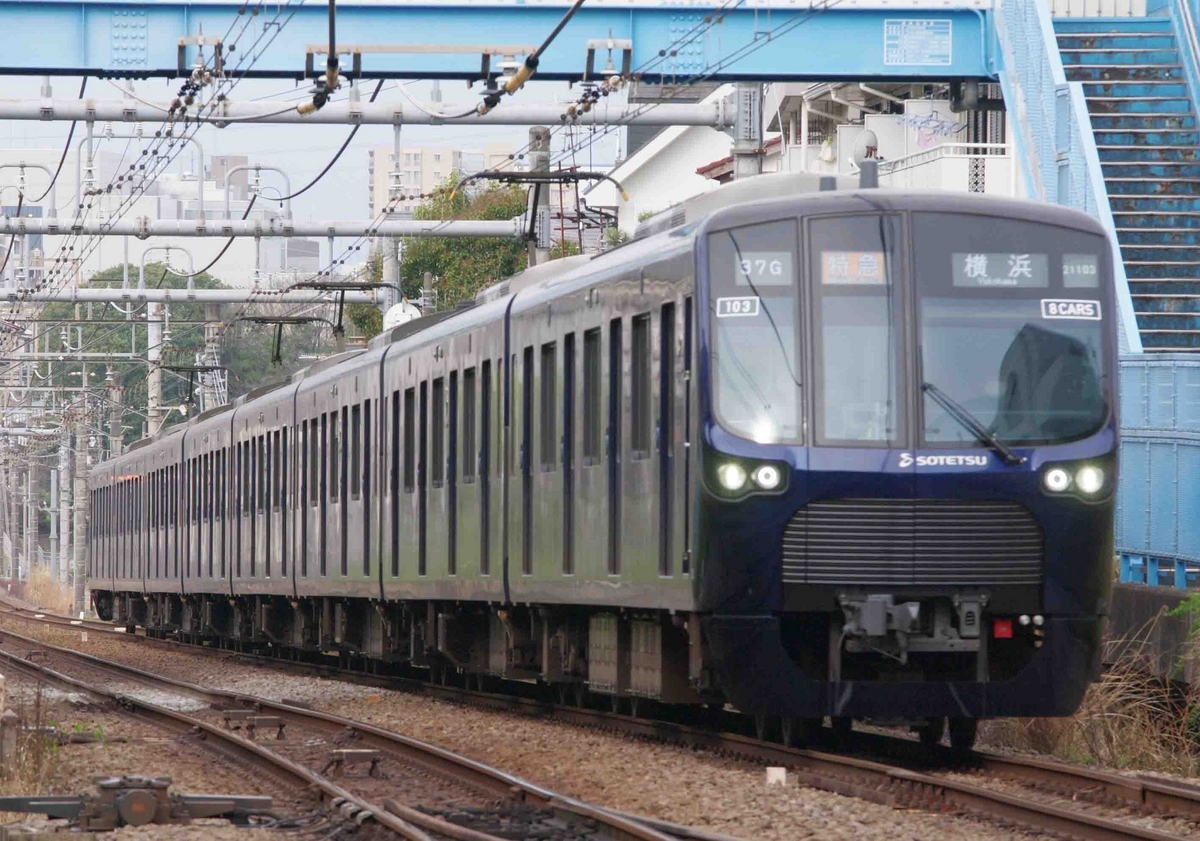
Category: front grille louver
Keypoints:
(912, 542)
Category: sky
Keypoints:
(301, 151)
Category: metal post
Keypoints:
(11, 528)
(748, 131)
(539, 161)
(81, 509)
(29, 542)
(391, 272)
(115, 418)
(53, 536)
(212, 383)
(64, 509)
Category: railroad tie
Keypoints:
(265, 722)
(341, 757)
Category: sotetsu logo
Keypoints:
(907, 460)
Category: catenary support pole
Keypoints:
(81, 510)
(64, 509)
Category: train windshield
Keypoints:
(754, 302)
(1010, 317)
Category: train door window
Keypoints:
(857, 324)
(266, 466)
(616, 383)
(639, 382)
(548, 406)
(410, 440)
(469, 404)
(438, 456)
(343, 514)
(527, 387)
(355, 451)
(247, 473)
(303, 498)
(485, 422)
(283, 497)
(666, 435)
(334, 460)
(686, 563)
(451, 476)
(324, 494)
(276, 487)
(423, 442)
(366, 485)
(591, 397)
(394, 481)
(568, 448)
(314, 462)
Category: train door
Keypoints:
(639, 480)
(275, 489)
(568, 455)
(590, 485)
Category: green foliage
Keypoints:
(366, 319)
(644, 215)
(463, 266)
(614, 237)
(565, 248)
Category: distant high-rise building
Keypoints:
(421, 169)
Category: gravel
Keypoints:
(668, 782)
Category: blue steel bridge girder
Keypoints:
(782, 40)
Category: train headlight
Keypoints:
(767, 477)
(732, 476)
(1057, 480)
(1089, 479)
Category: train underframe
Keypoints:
(633, 654)
(797, 667)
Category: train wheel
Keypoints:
(962, 734)
(931, 732)
(843, 726)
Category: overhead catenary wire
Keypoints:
(334, 159)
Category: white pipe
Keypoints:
(97, 295)
(287, 202)
(369, 113)
(53, 195)
(144, 228)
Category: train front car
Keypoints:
(909, 456)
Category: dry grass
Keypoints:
(1127, 720)
(46, 592)
(36, 757)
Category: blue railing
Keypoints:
(1057, 156)
(1184, 15)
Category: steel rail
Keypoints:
(438, 760)
(845, 775)
(248, 751)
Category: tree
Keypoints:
(463, 266)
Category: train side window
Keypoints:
(548, 402)
(591, 397)
(438, 456)
(469, 399)
(344, 454)
(247, 477)
(333, 457)
(355, 451)
(639, 382)
(325, 456)
(410, 439)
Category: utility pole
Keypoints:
(154, 332)
(53, 509)
(539, 162)
(115, 417)
(81, 507)
(748, 131)
(64, 508)
(13, 530)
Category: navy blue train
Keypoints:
(847, 453)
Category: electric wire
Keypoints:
(334, 160)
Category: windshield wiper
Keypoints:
(972, 423)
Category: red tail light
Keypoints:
(1002, 629)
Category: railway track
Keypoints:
(901, 785)
(457, 798)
